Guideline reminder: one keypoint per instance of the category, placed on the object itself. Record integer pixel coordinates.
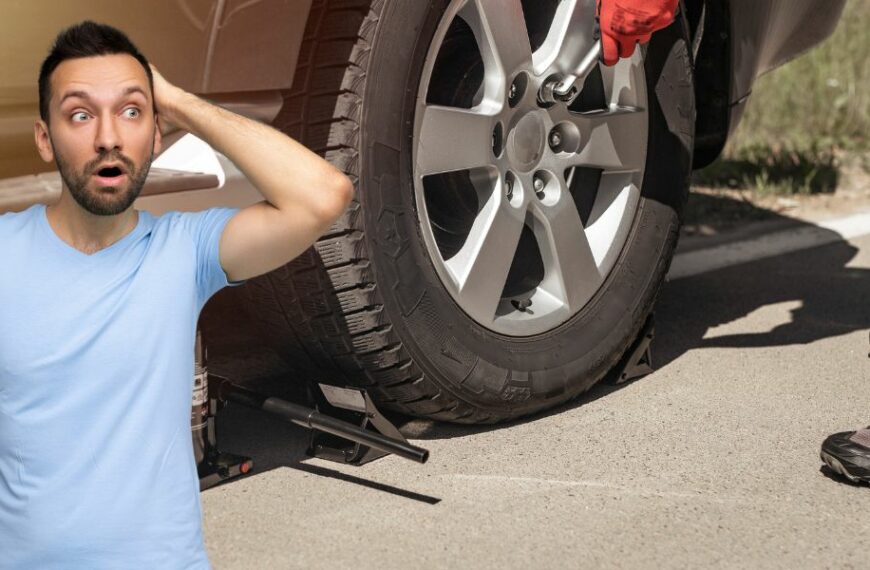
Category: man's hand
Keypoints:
(304, 193)
(165, 97)
(625, 23)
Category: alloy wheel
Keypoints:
(525, 204)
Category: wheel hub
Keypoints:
(526, 141)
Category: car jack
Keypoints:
(361, 433)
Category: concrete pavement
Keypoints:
(711, 461)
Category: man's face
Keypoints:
(100, 115)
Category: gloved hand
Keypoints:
(627, 22)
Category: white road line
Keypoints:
(539, 483)
(777, 243)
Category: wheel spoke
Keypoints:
(452, 138)
(610, 139)
(481, 267)
(500, 30)
(571, 274)
(569, 38)
(621, 88)
(611, 214)
(609, 193)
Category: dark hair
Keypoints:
(85, 39)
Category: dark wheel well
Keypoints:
(710, 29)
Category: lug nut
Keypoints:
(539, 184)
(517, 89)
(555, 139)
(509, 185)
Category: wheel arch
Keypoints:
(710, 33)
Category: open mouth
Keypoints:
(110, 174)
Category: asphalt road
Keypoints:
(711, 461)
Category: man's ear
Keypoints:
(158, 138)
(43, 141)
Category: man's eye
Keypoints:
(131, 112)
(80, 116)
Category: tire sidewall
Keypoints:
(474, 363)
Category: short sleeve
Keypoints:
(206, 228)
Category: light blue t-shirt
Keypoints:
(96, 381)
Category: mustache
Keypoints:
(111, 157)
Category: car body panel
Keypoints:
(255, 45)
(768, 33)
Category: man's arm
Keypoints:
(304, 193)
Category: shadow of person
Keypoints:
(810, 294)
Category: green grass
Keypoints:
(774, 170)
(802, 116)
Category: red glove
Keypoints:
(627, 22)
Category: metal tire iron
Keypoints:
(362, 435)
(565, 88)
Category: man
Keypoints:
(99, 304)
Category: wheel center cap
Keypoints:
(526, 141)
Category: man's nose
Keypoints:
(108, 137)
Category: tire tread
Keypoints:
(328, 296)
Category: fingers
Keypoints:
(609, 49)
(615, 48)
(165, 103)
(164, 126)
(625, 23)
(626, 47)
(158, 77)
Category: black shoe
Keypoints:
(848, 453)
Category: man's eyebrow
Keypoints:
(69, 94)
(84, 95)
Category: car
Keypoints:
(507, 241)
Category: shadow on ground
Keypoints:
(828, 298)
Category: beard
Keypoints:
(104, 200)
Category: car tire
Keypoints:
(367, 306)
